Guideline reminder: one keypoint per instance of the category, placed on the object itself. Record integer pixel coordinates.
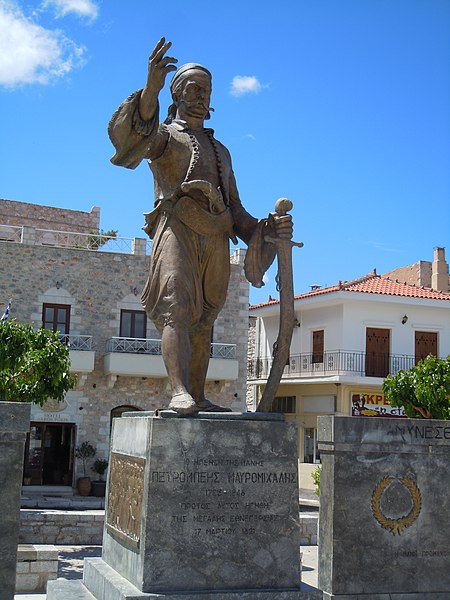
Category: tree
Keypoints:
(34, 364)
(101, 238)
(423, 391)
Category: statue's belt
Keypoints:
(187, 210)
(201, 221)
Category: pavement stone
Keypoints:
(71, 558)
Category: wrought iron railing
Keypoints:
(152, 346)
(84, 241)
(81, 343)
(336, 362)
(134, 345)
(223, 350)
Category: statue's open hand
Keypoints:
(159, 65)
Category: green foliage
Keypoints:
(34, 364)
(316, 478)
(100, 466)
(96, 240)
(423, 391)
(85, 451)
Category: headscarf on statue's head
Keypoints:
(176, 85)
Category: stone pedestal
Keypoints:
(384, 524)
(14, 425)
(198, 508)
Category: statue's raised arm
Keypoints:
(159, 66)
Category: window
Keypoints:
(426, 343)
(133, 324)
(56, 317)
(317, 346)
(284, 404)
(310, 449)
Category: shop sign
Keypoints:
(367, 404)
(54, 411)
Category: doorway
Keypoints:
(49, 451)
(377, 352)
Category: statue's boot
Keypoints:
(183, 404)
(205, 405)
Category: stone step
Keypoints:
(60, 589)
(106, 584)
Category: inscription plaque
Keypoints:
(125, 494)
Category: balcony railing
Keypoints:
(134, 345)
(151, 346)
(336, 362)
(81, 343)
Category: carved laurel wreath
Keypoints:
(396, 526)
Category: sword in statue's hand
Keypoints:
(285, 285)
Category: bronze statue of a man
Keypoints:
(197, 211)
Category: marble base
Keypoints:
(14, 425)
(204, 503)
(101, 582)
(412, 596)
(384, 508)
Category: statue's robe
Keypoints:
(190, 264)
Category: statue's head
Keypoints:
(191, 91)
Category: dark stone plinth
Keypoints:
(384, 523)
(14, 425)
(204, 503)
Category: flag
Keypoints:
(6, 313)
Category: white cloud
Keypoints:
(30, 53)
(82, 8)
(244, 85)
(250, 136)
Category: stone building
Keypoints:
(65, 280)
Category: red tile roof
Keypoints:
(370, 284)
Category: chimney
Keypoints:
(439, 273)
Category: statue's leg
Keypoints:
(176, 352)
(200, 342)
(216, 274)
(200, 354)
(172, 301)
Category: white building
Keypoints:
(347, 338)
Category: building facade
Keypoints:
(88, 289)
(346, 339)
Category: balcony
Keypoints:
(81, 355)
(334, 363)
(141, 357)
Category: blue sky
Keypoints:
(343, 106)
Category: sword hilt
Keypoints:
(282, 207)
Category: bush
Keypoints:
(34, 364)
(100, 466)
(85, 451)
(423, 391)
(316, 478)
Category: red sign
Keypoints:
(374, 405)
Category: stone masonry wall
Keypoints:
(251, 353)
(76, 527)
(97, 285)
(19, 214)
(417, 274)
